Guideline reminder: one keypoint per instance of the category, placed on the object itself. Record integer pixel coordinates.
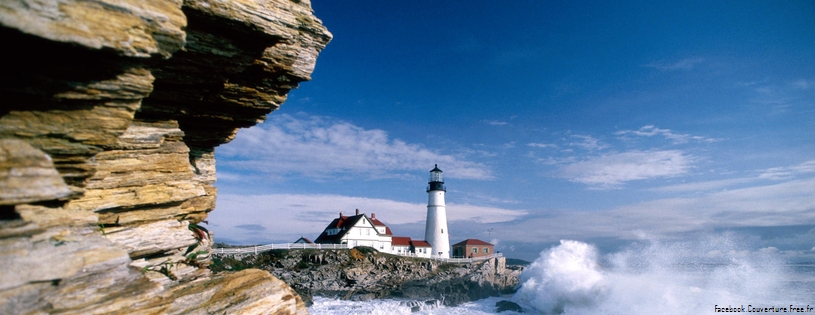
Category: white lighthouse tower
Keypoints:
(436, 233)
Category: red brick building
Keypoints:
(472, 248)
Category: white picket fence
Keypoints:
(263, 248)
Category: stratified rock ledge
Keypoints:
(111, 113)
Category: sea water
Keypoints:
(705, 276)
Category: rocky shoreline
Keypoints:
(364, 274)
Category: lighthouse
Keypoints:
(436, 233)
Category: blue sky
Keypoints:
(600, 122)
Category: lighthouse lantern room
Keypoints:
(436, 232)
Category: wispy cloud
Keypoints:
(587, 142)
(789, 172)
(775, 174)
(677, 138)
(289, 216)
(495, 122)
(612, 170)
(321, 147)
(804, 84)
(783, 204)
(705, 185)
(684, 64)
(542, 145)
(250, 227)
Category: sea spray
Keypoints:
(653, 277)
(565, 276)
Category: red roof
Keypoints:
(376, 222)
(345, 223)
(472, 241)
(400, 241)
(417, 243)
(306, 240)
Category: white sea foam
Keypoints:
(326, 306)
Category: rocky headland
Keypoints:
(111, 113)
(364, 274)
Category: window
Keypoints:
(486, 250)
(442, 231)
(475, 250)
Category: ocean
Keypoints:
(706, 276)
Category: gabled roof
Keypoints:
(344, 223)
(305, 240)
(400, 241)
(417, 243)
(376, 222)
(472, 241)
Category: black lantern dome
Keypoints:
(436, 182)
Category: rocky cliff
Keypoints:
(111, 113)
(364, 274)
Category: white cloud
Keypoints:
(542, 145)
(588, 143)
(320, 147)
(650, 131)
(704, 186)
(779, 173)
(289, 216)
(495, 122)
(768, 250)
(684, 64)
(804, 84)
(784, 204)
(611, 170)
(775, 173)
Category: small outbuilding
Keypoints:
(472, 248)
(400, 245)
(421, 248)
(303, 240)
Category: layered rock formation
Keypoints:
(363, 274)
(112, 110)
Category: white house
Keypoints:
(356, 230)
(360, 230)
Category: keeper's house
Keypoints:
(472, 248)
(360, 230)
(357, 230)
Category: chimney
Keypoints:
(373, 215)
(357, 212)
(340, 214)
